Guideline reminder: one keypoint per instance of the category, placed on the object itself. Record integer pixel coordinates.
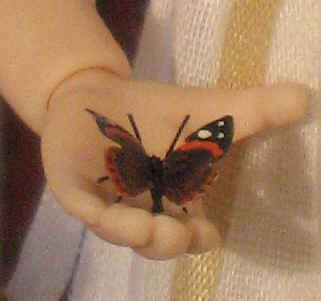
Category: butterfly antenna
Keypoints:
(133, 124)
(178, 134)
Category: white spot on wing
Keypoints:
(220, 135)
(221, 123)
(204, 134)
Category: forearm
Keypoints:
(43, 43)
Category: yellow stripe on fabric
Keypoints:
(242, 65)
(247, 42)
(195, 276)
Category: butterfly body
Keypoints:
(180, 176)
(156, 177)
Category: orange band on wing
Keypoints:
(113, 171)
(210, 146)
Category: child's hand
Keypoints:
(73, 151)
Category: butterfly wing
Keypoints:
(116, 133)
(128, 165)
(219, 132)
(128, 170)
(189, 170)
(186, 173)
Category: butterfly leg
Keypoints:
(119, 198)
(102, 179)
(185, 210)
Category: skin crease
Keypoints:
(85, 68)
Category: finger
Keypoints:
(125, 226)
(259, 109)
(253, 110)
(159, 108)
(115, 223)
(205, 235)
(170, 238)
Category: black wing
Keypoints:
(220, 132)
(189, 170)
(128, 166)
(186, 173)
(129, 170)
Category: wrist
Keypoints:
(86, 87)
(55, 47)
(90, 87)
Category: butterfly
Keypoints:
(180, 176)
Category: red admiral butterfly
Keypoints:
(180, 176)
